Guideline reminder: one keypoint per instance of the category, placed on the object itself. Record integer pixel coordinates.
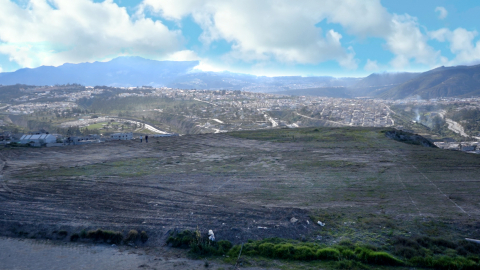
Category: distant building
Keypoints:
(121, 136)
(38, 139)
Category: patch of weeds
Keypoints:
(74, 237)
(106, 236)
(132, 236)
(180, 239)
(427, 246)
(376, 257)
(62, 233)
(199, 244)
(143, 237)
(352, 256)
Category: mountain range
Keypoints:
(457, 81)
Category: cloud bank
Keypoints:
(259, 33)
(58, 31)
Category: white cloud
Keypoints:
(442, 12)
(205, 65)
(78, 31)
(185, 55)
(1, 69)
(371, 65)
(284, 31)
(280, 30)
(407, 42)
(461, 44)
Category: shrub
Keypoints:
(266, 249)
(304, 253)
(283, 251)
(376, 257)
(382, 258)
(181, 239)
(198, 244)
(74, 237)
(406, 252)
(62, 233)
(83, 234)
(224, 246)
(328, 254)
(348, 254)
(143, 237)
(106, 236)
(132, 236)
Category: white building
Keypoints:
(38, 139)
(121, 136)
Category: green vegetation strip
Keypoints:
(419, 252)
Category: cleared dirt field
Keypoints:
(244, 185)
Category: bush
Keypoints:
(62, 233)
(132, 236)
(74, 237)
(383, 258)
(328, 254)
(143, 237)
(376, 257)
(181, 239)
(304, 253)
(106, 236)
(347, 254)
(266, 249)
(224, 246)
(198, 244)
(283, 251)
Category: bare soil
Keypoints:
(243, 185)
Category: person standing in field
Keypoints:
(141, 138)
(146, 138)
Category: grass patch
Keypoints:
(105, 235)
(344, 255)
(198, 244)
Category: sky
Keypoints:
(341, 38)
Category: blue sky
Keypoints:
(262, 37)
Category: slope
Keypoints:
(458, 81)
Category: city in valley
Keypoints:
(75, 110)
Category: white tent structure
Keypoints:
(38, 139)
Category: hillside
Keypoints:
(458, 81)
(377, 83)
(385, 79)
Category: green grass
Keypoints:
(344, 255)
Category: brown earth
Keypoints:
(244, 185)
